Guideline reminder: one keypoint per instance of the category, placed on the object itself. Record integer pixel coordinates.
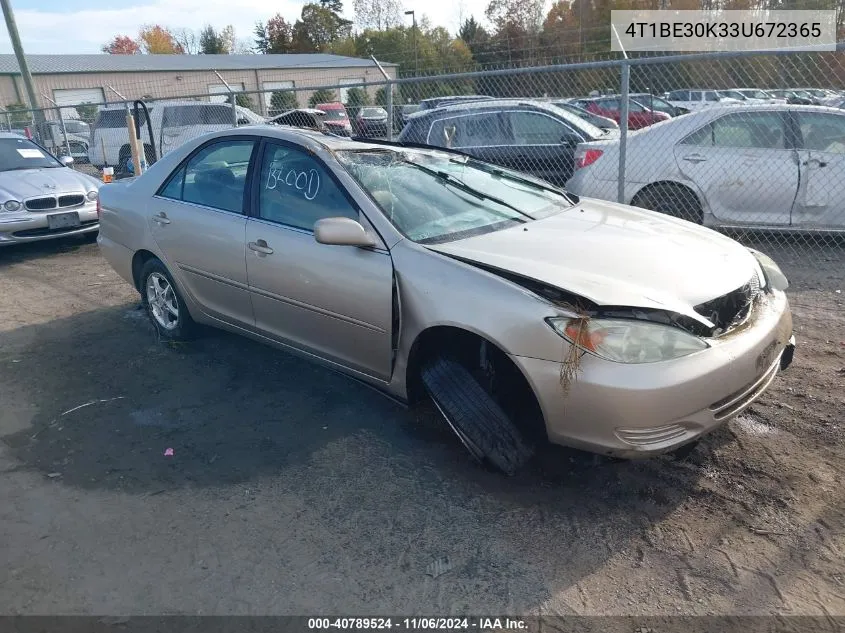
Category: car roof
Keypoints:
(11, 135)
(169, 102)
(484, 104)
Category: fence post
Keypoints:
(388, 88)
(623, 131)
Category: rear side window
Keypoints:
(187, 115)
(476, 130)
(679, 95)
(117, 118)
(214, 177)
(710, 95)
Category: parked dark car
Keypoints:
(437, 102)
(599, 121)
(796, 97)
(308, 118)
(611, 107)
(371, 121)
(403, 112)
(528, 136)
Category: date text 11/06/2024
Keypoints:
(418, 624)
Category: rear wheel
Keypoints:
(164, 305)
(674, 200)
(474, 415)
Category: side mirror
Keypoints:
(67, 161)
(341, 232)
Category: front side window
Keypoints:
(296, 190)
(533, 128)
(435, 197)
(216, 115)
(214, 177)
(822, 132)
(710, 95)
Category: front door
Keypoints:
(542, 145)
(333, 301)
(197, 219)
(821, 196)
(744, 166)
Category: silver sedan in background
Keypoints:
(522, 312)
(40, 197)
(771, 166)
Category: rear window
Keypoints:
(117, 118)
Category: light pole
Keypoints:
(12, 27)
(414, 36)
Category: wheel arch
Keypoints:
(461, 341)
(679, 185)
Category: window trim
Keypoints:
(254, 211)
(794, 126)
(499, 113)
(183, 165)
(787, 123)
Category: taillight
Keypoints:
(586, 157)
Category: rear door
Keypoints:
(821, 195)
(745, 166)
(198, 221)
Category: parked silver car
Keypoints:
(40, 197)
(514, 306)
(766, 166)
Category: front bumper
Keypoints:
(648, 409)
(30, 226)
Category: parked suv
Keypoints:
(337, 118)
(693, 100)
(173, 123)
(528, 136)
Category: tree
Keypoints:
(274, 37)
(317, 28)
(187, 39)
(122, 45)
(282, 101)
(377, 14)
(241, 99)
(157, 40)
(211, 43)
(227, 39)
(18, 114)
(87, 111)
(381, 97)
(324, 95)
(357, 97)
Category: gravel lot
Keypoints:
(294, 490)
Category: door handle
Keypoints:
(260, 247)
(815, 161)
(695, 158)
(161, 218)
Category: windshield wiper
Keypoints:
(525, 181)
(460, 184)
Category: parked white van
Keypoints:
(173, 123)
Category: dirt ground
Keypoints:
(294, 490)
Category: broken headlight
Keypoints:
(627, 341)
(772, 272)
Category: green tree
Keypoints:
(87, 111)
(356, 98)
(323, 95)
(317, 27)
(381, 97)
(18, 113)
(282, 101)
(241, 99)
(211, 43)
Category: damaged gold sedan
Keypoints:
(523, 312)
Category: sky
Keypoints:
(83, 26)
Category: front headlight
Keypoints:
(92, 195)
(12, 205)
(774, 275)
(627, 341)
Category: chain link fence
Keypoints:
(733, 141)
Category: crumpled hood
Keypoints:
(29, 183)
(616, 255)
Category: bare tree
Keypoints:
(377, 14)
(187, 39)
